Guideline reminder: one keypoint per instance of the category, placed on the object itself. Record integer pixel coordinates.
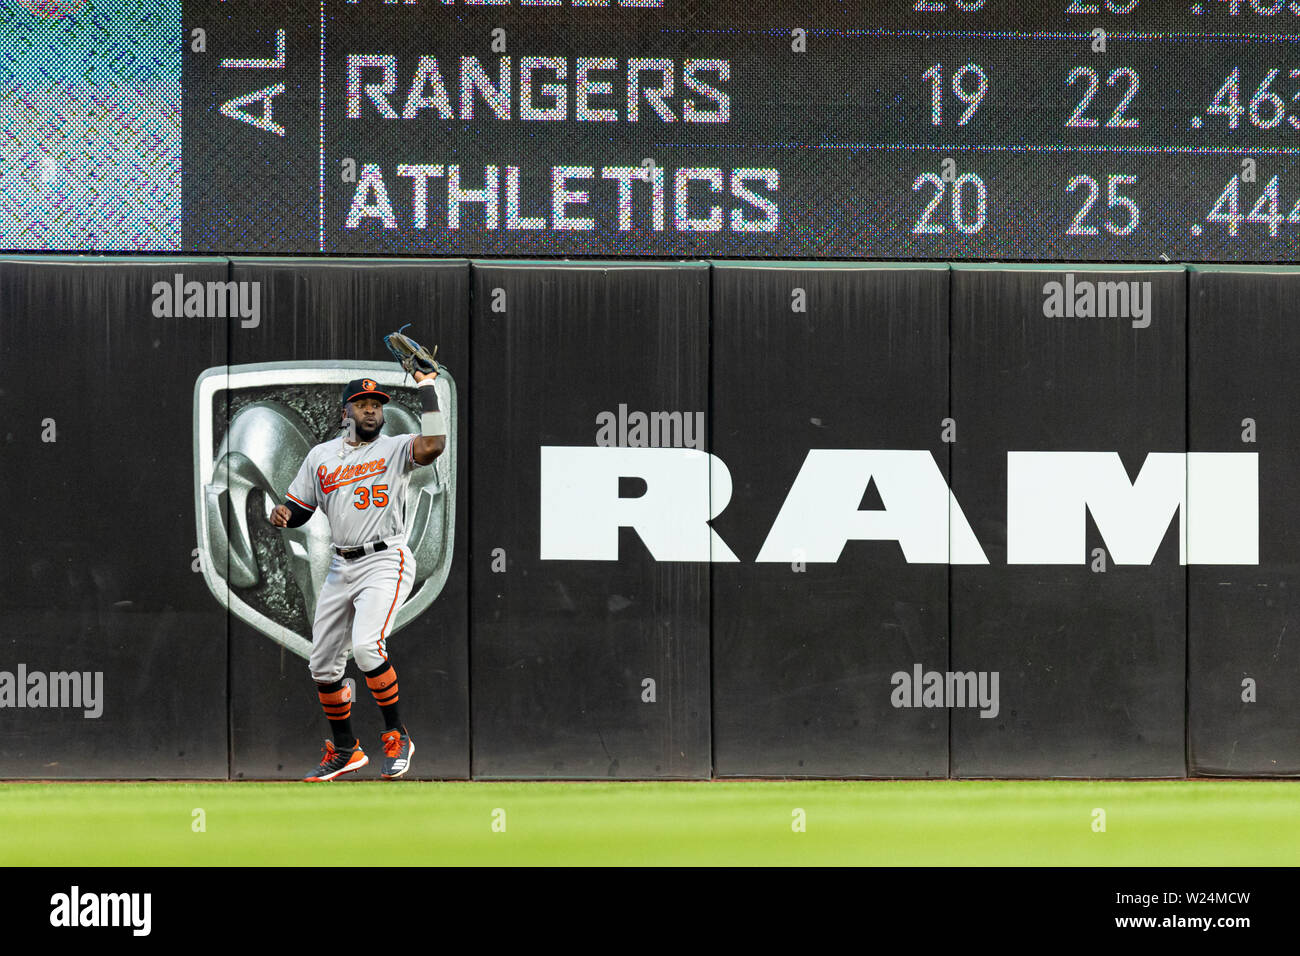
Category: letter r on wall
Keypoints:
(581, 511)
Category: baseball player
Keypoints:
(359, 481)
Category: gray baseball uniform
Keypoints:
(362, 492)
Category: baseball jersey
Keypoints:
(362, 490)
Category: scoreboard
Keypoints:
(1055, 129)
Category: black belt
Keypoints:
(350, 553)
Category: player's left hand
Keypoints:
(421, 376)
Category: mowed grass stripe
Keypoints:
(848, 822)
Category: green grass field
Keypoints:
(1229, 823)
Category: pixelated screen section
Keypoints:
(1097, 130)
(90, 125)
(1090, 129)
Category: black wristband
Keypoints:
(428, 398)
(298, 514)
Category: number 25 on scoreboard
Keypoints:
(1091, 190)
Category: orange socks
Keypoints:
(382, 682)
(336, 701)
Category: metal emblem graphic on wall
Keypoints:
(253, 426)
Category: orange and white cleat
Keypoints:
(398, 751)
(336, 762)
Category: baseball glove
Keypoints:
(411, 354)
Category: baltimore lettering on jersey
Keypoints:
(348, 474)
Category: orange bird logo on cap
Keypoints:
(369, 384)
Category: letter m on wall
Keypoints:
(1214, 495)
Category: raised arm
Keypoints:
(432, 440)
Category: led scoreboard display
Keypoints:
(1069, 129)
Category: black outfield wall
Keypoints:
(814, 367)
(1090, 662)
(590, 657)
(113, 654)
(696, 520)
(322, 324)
(1243, 659)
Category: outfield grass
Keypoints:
(848, 822)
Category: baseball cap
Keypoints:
(363, 388)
